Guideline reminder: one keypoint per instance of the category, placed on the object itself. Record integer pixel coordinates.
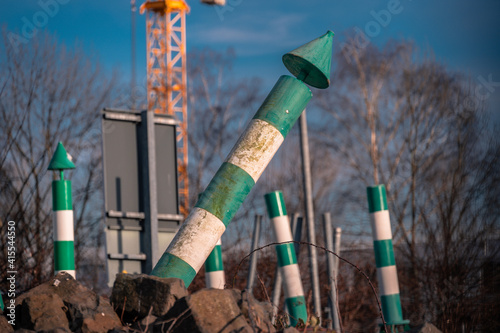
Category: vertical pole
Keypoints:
(336, 243)
(149, 192)
(384, 255)
(278, 282)
(214, 268)
(297, 231)
(64, 248)
(254, 256)
(133, 9)
(287, 260)
(332, 270)
(306, 170)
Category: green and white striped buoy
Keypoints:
(227, 190)
(384, 256)
(62, 206)
(214, 268)
(287, 259)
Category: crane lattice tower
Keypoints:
(166, 75)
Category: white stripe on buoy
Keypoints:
(256, 147)
(291, 275)
(215, 279)
(381, 225)
(200, 227)
(282, 229)
(69, 271)
(388, 280)
(63, 225)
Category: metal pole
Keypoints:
(133, 9)
(313, 257)
(149, 192)
(254, 256)
(278, 281)
(336, 243)
(297, 231)
(332, 270)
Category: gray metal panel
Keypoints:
(166, 169)
(123, 188)
(120, 166)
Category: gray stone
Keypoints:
(63, 303)
(205, 311)
(42, 312)
(135, 295)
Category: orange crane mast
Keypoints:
(166, 75)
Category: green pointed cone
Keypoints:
(314, 60)
(61, 159)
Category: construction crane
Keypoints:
(166, 74)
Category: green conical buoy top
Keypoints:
(312, 61)
(61, 159)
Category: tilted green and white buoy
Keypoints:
(240, 171)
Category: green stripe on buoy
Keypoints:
(286, 254)
(275, 204)
(64, 255)
(297, 308)
(170, 265)
(214, 260)
(377, 198)
(384, 253)
(391, 307)
(61, 195)
(226, 192)
(284, 104)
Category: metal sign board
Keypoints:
(140, 185)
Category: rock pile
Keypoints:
(62, 305)
(168, 307)
(139, 303)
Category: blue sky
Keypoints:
(465, 35)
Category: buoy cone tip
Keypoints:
(312, 61)
(61, 159)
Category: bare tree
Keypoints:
(49, 93)
(404, 121)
